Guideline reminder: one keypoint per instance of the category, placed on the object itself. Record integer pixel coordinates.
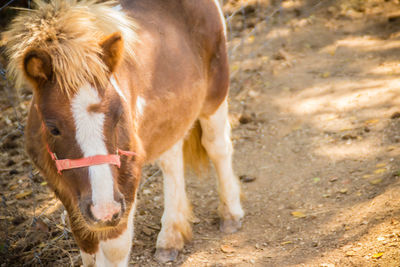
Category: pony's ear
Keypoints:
(113, 48)
(37, 65)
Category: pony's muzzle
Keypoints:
(104, 214)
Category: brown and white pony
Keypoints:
(116, 86)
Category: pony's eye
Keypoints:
(55, 131)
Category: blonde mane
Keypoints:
(70, 32)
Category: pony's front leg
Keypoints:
(176, 227)
(113, 252)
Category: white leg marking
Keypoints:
(175, 224)
(140, 105)
(89, 135)
(221, 14)
(117, 251)
(217, 142)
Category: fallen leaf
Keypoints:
(43, 183)
(376, 181)
(377, 255)
(366, 176)
(227, 249)
(379, 171)
(298, 214)
(235, 67)
(13, 187)
(373, 121)
(343, 191)
(316, 179)
(326, 74)
(350, 253)
(287, 242)
(23, 194)
(251, 39)
(381, 165)
(345, 129)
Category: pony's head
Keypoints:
(87, 123)
(70, 63)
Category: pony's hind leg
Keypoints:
(216, 140)
(176, 227)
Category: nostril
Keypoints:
(106, 212)
(116, 216)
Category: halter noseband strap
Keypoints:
(67, 164)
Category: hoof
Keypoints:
(229, 226)
(166, 255)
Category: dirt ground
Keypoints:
(314, 104)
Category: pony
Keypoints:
(116, 86)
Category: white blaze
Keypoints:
(89, 135)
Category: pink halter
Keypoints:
(66, 164)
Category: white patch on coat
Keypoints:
(176, 206)
(221, 14)
(140, 105)
(89, 135)
(117, 88)
(117, 251)
(117, 7)
(113, 252)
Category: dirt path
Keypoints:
(314, 98)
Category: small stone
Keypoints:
(395, 115)
(147, 191)
(147, 231)
(333, 179)
(244, 119)
(247, 179)
(227, 249)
